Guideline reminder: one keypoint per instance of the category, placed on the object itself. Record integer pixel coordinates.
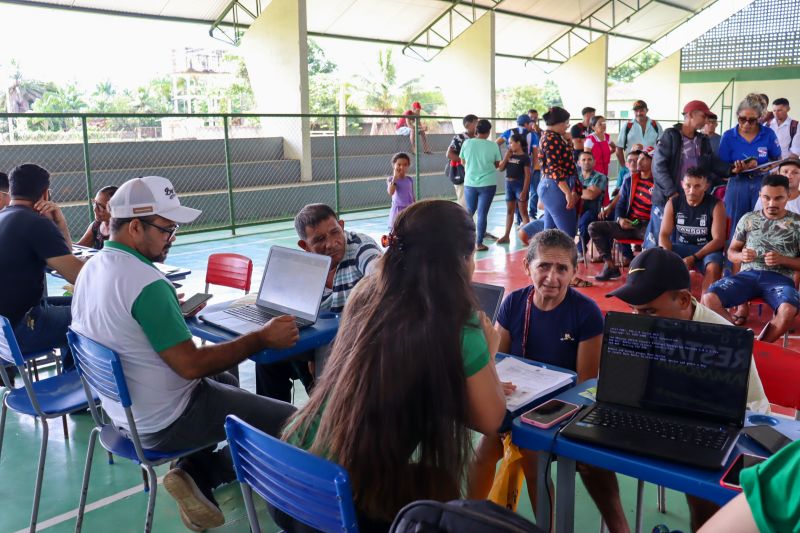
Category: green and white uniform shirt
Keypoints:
(123, 302)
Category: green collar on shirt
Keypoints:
(124, 248)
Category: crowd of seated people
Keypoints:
(411, 372)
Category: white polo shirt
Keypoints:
(783, 132)
(123, 302)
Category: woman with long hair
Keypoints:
(411, 370)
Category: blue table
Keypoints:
(687, 479)
(311, 338)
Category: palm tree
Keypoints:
(21, 93)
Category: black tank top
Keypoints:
(693, 224)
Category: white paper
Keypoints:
(532, 381)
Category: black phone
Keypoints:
(549, 413)
(190, 306)
(767, 437)
(730, 478)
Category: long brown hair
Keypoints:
(392, 404)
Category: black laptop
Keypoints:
(671, 389)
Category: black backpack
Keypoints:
(457, 516)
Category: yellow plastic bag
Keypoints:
(507, 484)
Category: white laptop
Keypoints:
(293, 284)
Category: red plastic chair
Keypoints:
(229, 270)
(778, 369)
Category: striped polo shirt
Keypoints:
(122, 301)
(641, 204)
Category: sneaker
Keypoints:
(608, 274)
(198, 508)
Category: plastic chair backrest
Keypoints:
(230, 270)
(778, 368)
(9, 348)
(308, 488)
(100, 367)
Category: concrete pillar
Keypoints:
(583, 80)
(275, 49)
(465, 71)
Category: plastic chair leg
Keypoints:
(64, 427)
(87, 471)
(37, 490)
(151, 500)
(252, 517)
(662, 499)
(3, 420)
(145, 480)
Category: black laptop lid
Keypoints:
(678, 367)
(489, 298)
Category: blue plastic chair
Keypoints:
(49, 398)
(308, 488)
(100, 371)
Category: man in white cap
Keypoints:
(181, 393)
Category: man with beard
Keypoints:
(181, 393)
(767, 245)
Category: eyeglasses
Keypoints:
(170, 231)
(746, 120)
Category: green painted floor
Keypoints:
(117, 502)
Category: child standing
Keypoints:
(399, 186)
(517, 165)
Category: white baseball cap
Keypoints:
(148, 196)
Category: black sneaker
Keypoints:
(608, 274)
(198, 508)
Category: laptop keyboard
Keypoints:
(257, 315)
(702, 437)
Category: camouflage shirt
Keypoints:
(764, 235)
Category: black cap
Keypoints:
(651, 274)
(787, 162)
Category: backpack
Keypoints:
(455, 173)
(457, 516)
(792, 130)
(628, 128)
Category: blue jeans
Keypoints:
(50, 320)
(556, 214)
(685, 250)
(773, 287)
(741, 195)
(533, 227)
(587, 217)
(479, 199)
(533, 196)
(653, 227)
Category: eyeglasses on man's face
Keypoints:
(170, 231)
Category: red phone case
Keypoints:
(552, 423)
(727, 471)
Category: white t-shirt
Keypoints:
(124, 303)
(756, 398)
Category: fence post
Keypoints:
(229, 175)
(336, 206)
(416, 159)
(86, 166)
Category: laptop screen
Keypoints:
(293, 282)
(489, 298)
(677, 367)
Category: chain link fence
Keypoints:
(240, 170)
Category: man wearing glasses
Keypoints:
(5, 199)
(181, 393)
(34, 237)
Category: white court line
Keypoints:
(108, 500)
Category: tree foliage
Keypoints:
(513, 101)
(636, 65)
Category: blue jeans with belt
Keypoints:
(44, 327)
(556, 214)
(479, 199)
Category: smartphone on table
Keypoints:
(730, 479)
(767, 437)
(191, 305)
(549, 413)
